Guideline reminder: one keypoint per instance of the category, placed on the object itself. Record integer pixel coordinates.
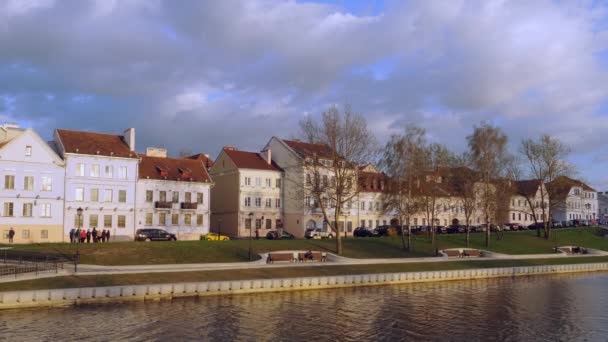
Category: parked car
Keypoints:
(318, 233)
(365, 232)
(216, 237)
(534, 226)
(275, 235)
(154, 234)
(386, 230)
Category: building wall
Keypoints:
(182, 230)
(578, 205)
(102, 207)
(602, 205)
(259, 190)
(42, 163)
(224, 196)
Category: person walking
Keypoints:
(108, 235)
(103, 236)
(83, 235)
(72, 232)
(94, 234)
(77, 235)
(11, 235)
(89, 235)
(99, 236)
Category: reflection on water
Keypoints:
(553, 308)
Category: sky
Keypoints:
(199, 75)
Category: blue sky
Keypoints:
(193, 75)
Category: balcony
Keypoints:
(163, 205)
(189, 205)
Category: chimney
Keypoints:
(129, 137)
(229, 148)
(10, 125)
(269, 156)
(156, 152)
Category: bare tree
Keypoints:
(488, 149)
(401, 161)
(464, 181)
(545, 160)
(332, 177)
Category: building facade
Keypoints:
(173, 194)
(602, 204)
(248, 193)
(527, 202)
(32, 192)
(100, 178)
(572, 200)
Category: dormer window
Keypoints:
(185, 172)
(162, 171)
(28, 151)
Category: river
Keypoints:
(540, 308)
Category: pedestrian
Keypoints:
(94, 234)
(108, 235)
(72, 232)
(257, 234)
(11, 235)
(98, 235)
(83, 235)
(77, 235)
(89, 235)
(104, 235)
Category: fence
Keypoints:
(15, 263)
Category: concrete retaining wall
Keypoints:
(63, 297)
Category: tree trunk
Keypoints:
(468, 236)
(338, 244)
(403, 237)
(488, 228)
(409, 238)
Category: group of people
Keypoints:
(86, 235)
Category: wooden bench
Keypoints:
(279, 257)
(316, 256)
(472, 253)
(452, 253)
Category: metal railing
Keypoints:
(15, 263)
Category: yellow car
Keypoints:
(216, 237)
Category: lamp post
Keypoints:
(250, 229)
(77, 258)
(219, 228)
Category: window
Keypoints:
(258, 181)
(93, 221)
(122, 172)
(78, 221)
(278, 183)
(268, 202)
(247, 223)
(162, 219)
(268, 182)
(349, 226)
(149, 217)
(108, 195)
(122, 221)
(188, 197)
(258, 202)
(25, 234)
(247, 180)
(188, 219)
(149, 196)
(28, 183)
(175, 196)
(258, 223)
(80, 170)
(307, 201)
(27, 209)
(199, 219)
(122, 196)
(94, 171)
(248, 201)
(47, 183)
(513, 216)
(107, 221)
(162, 196)
(109, 171)
(44, 234)
(94, 195)
(277, 203)
(268, 224)
(45, 210)
(325, 181)
(362, 223)
(200, 197)
(175, 219)
(9, 182)
(377, 223)
(79, 194)
(28, 151)
(363, 206)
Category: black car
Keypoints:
(274, 235)
(365, 232)
(153, 234)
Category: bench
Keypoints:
(316, 256)
(279, 257)
(472, 253)
(452, 253)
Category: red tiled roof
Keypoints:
(207, 162)
(250, 160)
(308, 149)
(560, 187)
(185, 170)
(94, 144)
(528, 187)
(372, 182)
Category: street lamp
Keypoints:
(250, 229)
(77, 258)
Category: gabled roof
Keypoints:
(203, 158)
(94, 144)
(173, 169)
(561, 186)
(528, 187)
(250, 160)
(308, 150)
(372, 182)
(45, 145)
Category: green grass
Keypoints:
(133, 253)
(267, 273)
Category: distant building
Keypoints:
(602, 198)
(369, 206)
(100, 178)
(31, 196)
(173, 194)
(247, 193)
(526, 202)
(572, 200)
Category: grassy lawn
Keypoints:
(133, 253)
(266, 273)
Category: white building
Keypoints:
(32, 177)
(526, 202)
(173, 194)
(247, 193)
(572, 200)
(100, 177)
(602, 199)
